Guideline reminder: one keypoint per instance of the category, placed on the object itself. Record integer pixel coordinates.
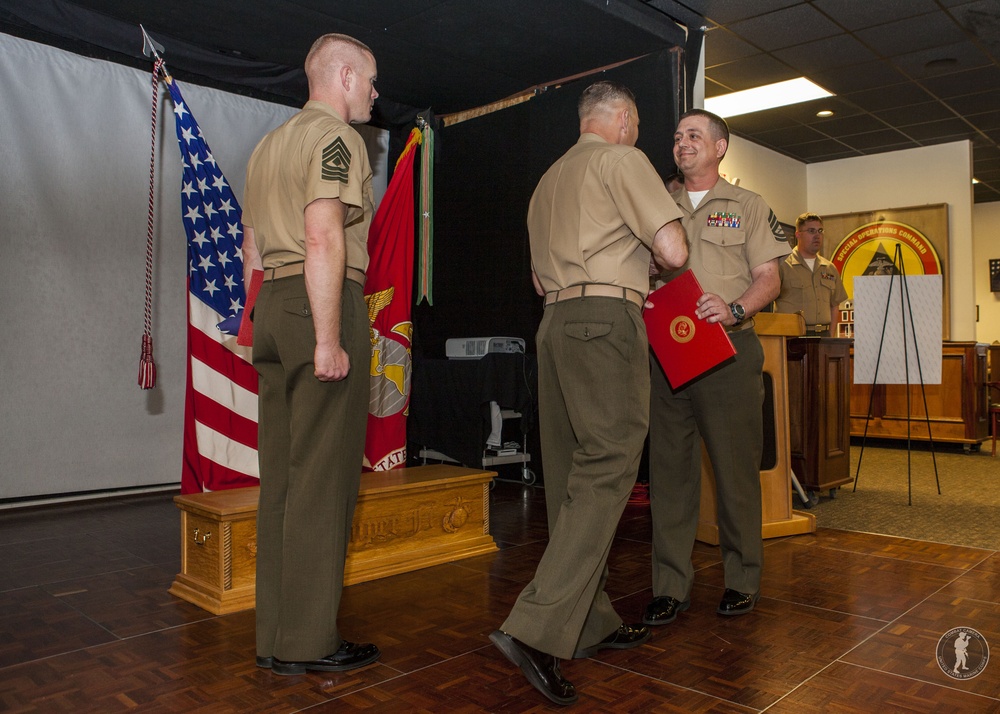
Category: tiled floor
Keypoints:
(847, 622)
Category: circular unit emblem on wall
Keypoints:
(869, 250)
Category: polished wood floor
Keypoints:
(847, 622)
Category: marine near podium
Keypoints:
(735, 245)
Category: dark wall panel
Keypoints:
(485, 173)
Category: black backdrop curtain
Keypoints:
(485, 173)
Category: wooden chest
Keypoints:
(218, 549)
(406, 519)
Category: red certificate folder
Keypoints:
(685, 346)
(245, 336)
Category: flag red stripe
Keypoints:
(217, 356)
(216, 477)
(225, 421)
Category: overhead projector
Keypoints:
(478, 347)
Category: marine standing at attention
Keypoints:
(308, 205)
(810, 284)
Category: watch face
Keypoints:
(738, 312)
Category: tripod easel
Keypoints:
(906, 310)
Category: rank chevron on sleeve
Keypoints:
(336, 161)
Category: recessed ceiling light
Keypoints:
(768, 96)
(824, 113)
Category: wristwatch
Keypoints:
(739, 313)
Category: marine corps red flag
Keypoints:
(388, 291)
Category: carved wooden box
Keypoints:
(406, 519)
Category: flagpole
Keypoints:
(147, 366)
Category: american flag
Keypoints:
(220, 414)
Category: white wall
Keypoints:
(913, 177)
(779, 179)
(986, 245)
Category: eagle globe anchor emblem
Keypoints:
(682, 329)
(390, 363)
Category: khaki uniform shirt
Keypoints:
(313, 155)
(731, 232)
(593, 217)
(813, 293)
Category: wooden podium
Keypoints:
(819, 400)
(776, 474)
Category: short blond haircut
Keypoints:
(317, 61)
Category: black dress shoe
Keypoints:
(625, 637)
(541, 670)
(349, 656)
(664, 610)
(736, 603)
(265, 662)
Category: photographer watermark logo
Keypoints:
(962, 653)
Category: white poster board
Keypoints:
(914, 312)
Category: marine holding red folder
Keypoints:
(735, 245)
(685, 346)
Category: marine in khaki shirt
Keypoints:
(810, 284)
(594, 215)
(594, 219)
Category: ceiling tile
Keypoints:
(722, 46)
(983, 193)
(845, 126)
(972, 81)
(953, 129)
(826, 147)
(784, 28)
(751, 72)
(805, 112)
(937, 61)
(789, 136)
(758, 122)
(856, 14)
(915, 114)
(910, 35)
(822, 55)
(843, 80)
(726, 11)
(877, 140)
(898, 95)
(982, 21)
(986, 121)
(976, 103)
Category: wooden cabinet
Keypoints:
(957, 409)
(819, 389)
